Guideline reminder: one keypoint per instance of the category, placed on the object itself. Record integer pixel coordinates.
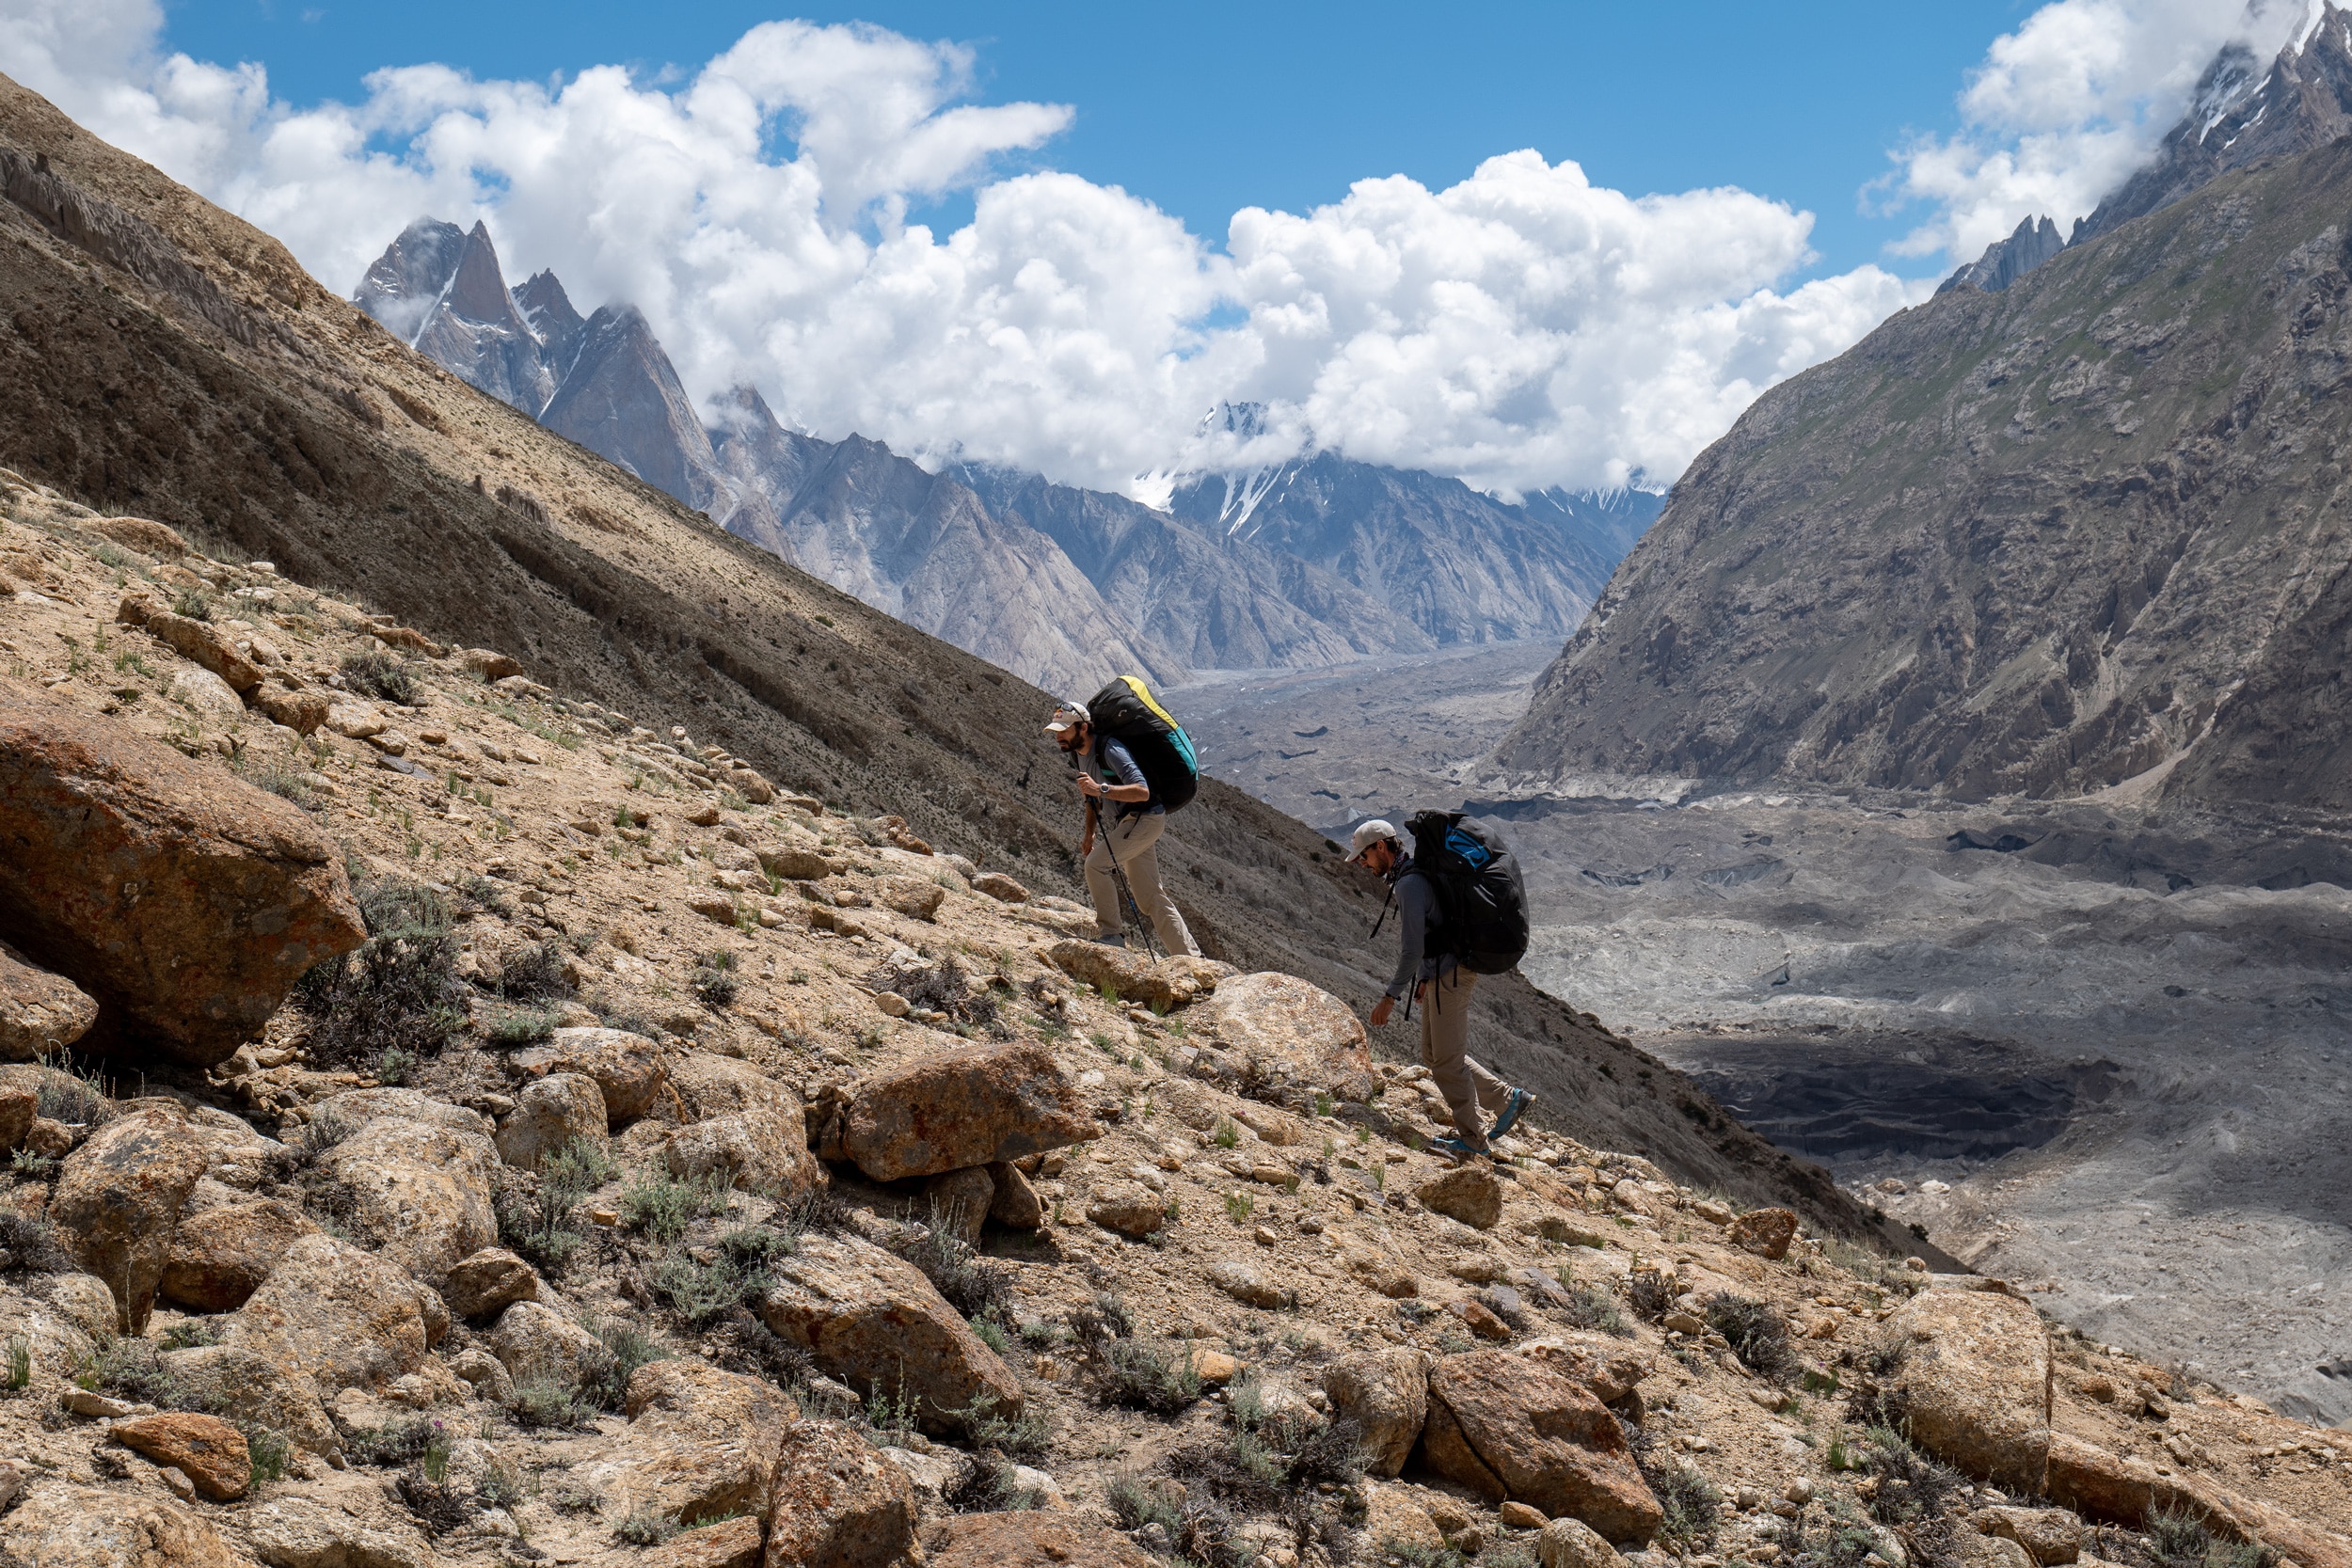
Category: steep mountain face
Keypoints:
(922, 547)
(605, 382)
(1212, 602)
(2084, 533)
(2245, 116)
(1462, 566)
(178, 362)
(2005, 262)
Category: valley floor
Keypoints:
(2096, 1049)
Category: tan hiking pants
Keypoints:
(1445, 1052)
(1135, 842)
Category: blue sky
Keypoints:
(1210, 107)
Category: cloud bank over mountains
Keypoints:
(2067, 107)
(1519, 329)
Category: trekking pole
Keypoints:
(1118, 878)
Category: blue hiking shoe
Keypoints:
(1109, 938)
(1520, 1099)
(1453, 1148)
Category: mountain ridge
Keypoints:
(1043, 578)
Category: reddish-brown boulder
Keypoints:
(205, 1449)
(118, 1204)
(182, 898)
(838, 1503)
(1509, 1426)
(1970, 1371)
(954, 1109)
(1766, 1232)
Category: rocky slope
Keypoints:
(2080, 534)
(300, 434)
(683, 1171)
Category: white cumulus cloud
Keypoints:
(1520, 328)
(2068, 107)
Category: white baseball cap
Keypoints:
(1068, 717)
(1378, 830)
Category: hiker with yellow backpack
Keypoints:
(1136, 763)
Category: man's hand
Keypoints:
(1090, 785)
(1380, 1010)
(1086, 847)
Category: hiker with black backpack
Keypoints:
(1136, 763)
(1462, 912)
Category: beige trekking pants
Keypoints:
(1445, 1052)
(1135, 842)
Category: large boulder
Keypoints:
(1766, 1232)
(241, 1385)
(713, 1085)
(343, 1318)
(292, 1532)
(220, 1257)
(419, 1192)
(2116, 1489)
(182, 898)
(59, 1525)
(1386, 1392)
(872, 1321)
(40, 1013)
(1508, 1427)
(1605, 1368)
(700, 1443)
(1032, 1538)
(626, 1068)
(1970, 1370)
(1295, 1032)
(835, 1502)
(538, 1344)
(1470, 1193)
(951, 1109)
(762, 1150)
(118, 1203)
(489, 1282)
(559, 1110)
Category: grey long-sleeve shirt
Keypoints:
(1417, 914)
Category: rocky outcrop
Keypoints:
(1970, 1370)
(951, 1110)
(302, 1532)
(837, 1502)
(761, 1151)
(701, 1443)
(873, 1321)
(332, 1313)
(118, 1204)
(219, 1257)
(59, 1525)
(183, 901)
(1295, 1031)
(1385, 1393)
(1506, 1427)
(626, 1068)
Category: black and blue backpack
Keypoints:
(1480, 893)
